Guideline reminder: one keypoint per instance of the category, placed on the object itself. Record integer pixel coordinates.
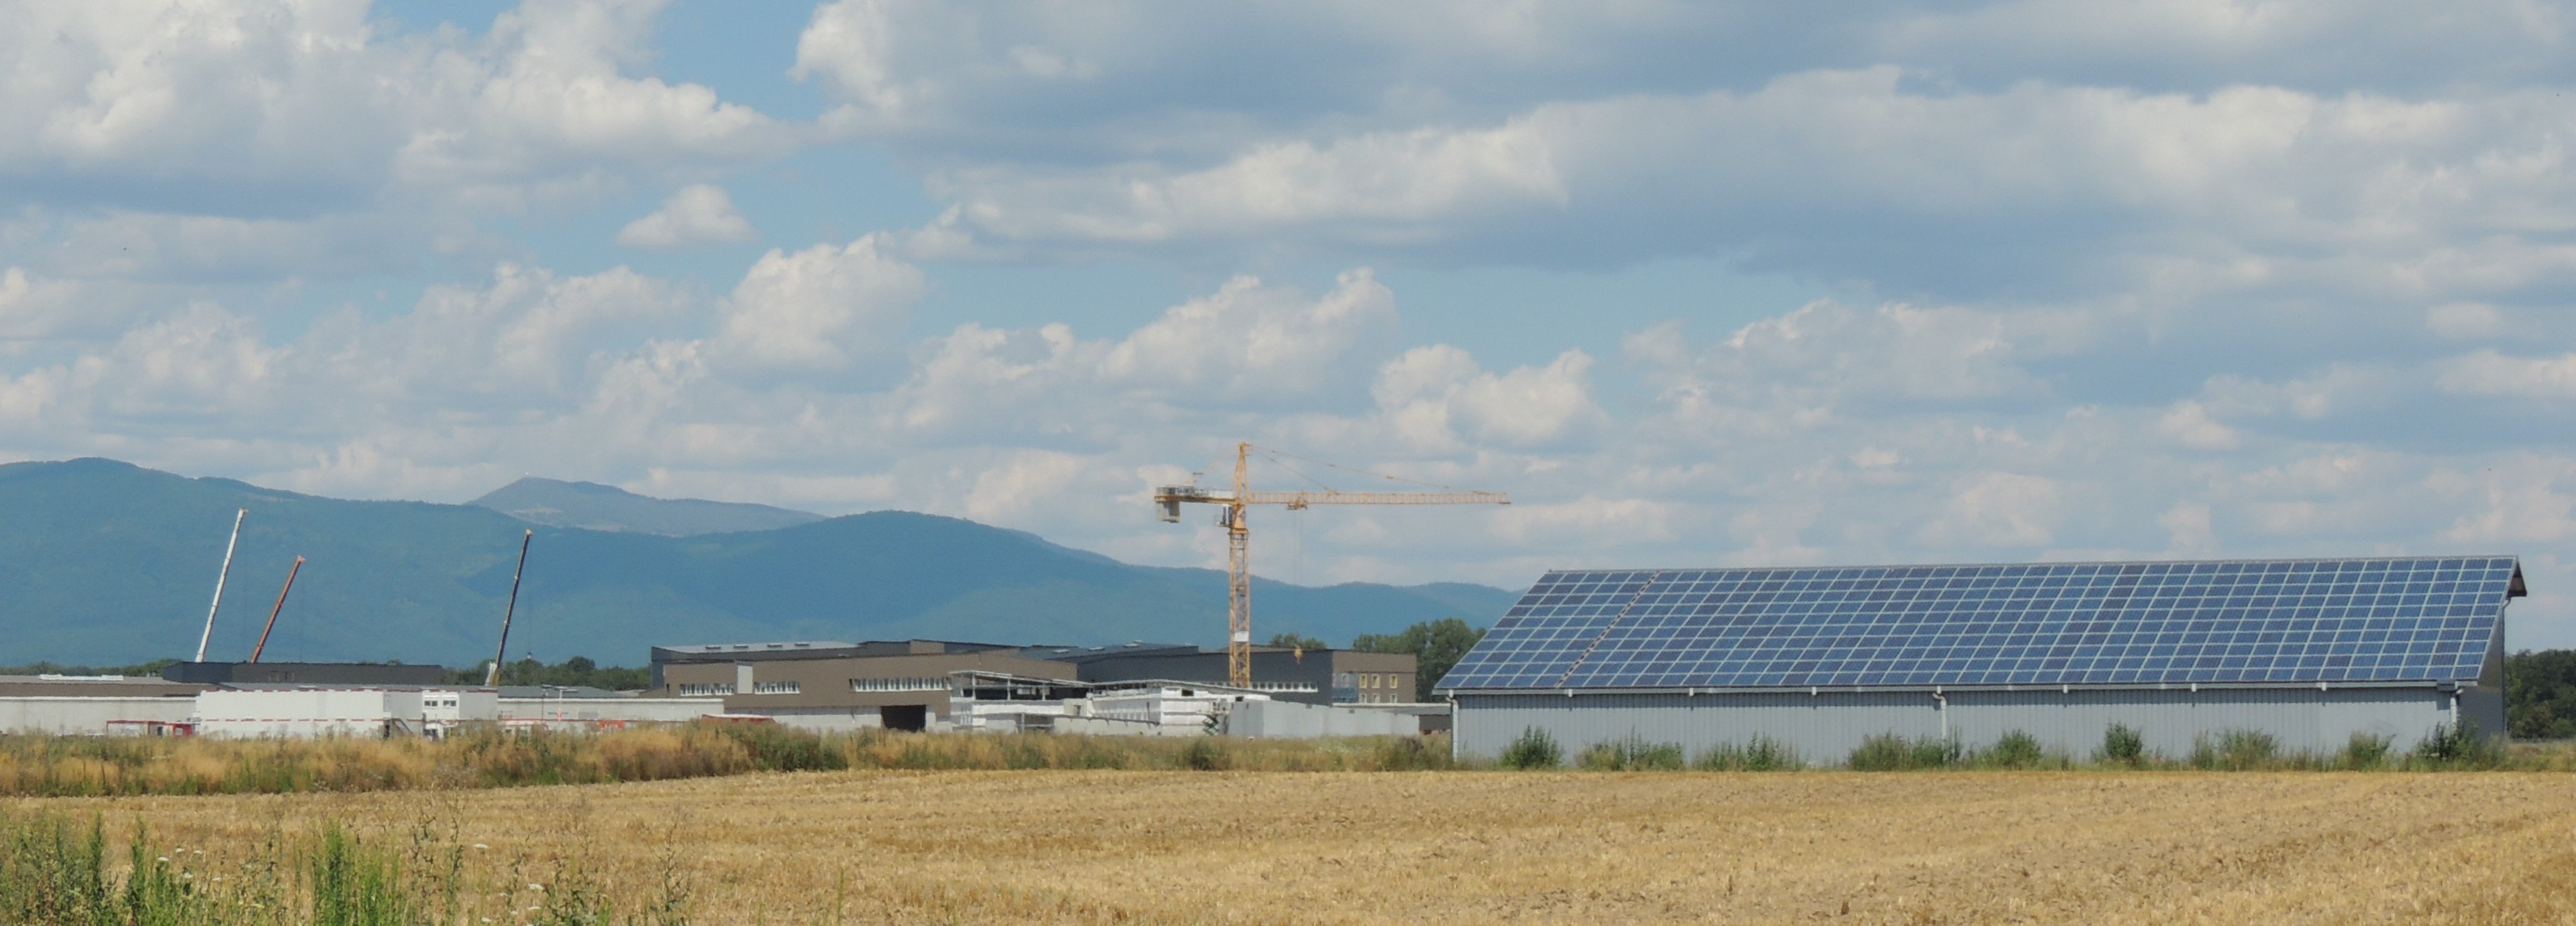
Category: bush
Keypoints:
(1534, 749)
(2121, 744)
(1632, 754)
(2015, 749)
(2235, 750)
(1761, 754)
(1204, 755)
(2366, 751)
(2463, 746)
(1888, 752)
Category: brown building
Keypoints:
(901, 684)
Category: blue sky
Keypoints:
(1697, 283)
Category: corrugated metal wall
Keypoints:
(1825, 728)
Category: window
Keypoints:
(705, 691)
(776, 688)
(898, 684)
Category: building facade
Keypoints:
(1313, 676)
(2309, 652)
(899, 685)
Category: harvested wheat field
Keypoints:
(1459, 847)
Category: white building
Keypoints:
(313, 711)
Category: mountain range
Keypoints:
(591, 506)
(103, 562)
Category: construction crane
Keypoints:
(1238, 537)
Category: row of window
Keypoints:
(899, 684)
(1365, 679)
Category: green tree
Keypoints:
(1298, 641)
(576, 671)
(2540, 694)
(1436, 647)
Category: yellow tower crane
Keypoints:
(1238, 536)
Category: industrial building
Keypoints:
(1143, 688)
(1305, 676)
(303, 673)
(2310, 652)
(308, 711)
(828, 685)
(94, 705)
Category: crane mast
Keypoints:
(1238, 538)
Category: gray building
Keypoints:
(2311, 652)
(1306, 676)
(303, 673)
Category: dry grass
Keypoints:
(52, 766)
(1482, 847)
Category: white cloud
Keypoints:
(2464, 320)
(699, 213)
(2190, 424)
(199, 140)
(1436, 395)
(1999, 510)
(2489, 373)
(818, 308)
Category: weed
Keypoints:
(1533, 749)
(2462, 746)
(1631, 754)
(1760, 754)
(1204, 755)
(2121, 744)
(2235, 750)
(1888, 752)
(2366, 751)
(1410, 753)
(2015, 749)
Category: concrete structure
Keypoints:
(576, 708)
(2310, 652)
(901, 685)
(1292, 720)
(303, 673)
(93, 705)
(1315, 676)
(1176, 708)
(313, 711)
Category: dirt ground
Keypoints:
(1481, 847)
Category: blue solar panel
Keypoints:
(2267, 621)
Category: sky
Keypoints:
(1697, 284)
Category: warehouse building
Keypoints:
(2308, 651)
(829, 685)
(95, 705)
(1304, 676)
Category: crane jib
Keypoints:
(1169, 499)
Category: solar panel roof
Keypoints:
(2424, 619)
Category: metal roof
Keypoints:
(2378, 620)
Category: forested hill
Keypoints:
(104, 562)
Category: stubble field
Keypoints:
(1480, 847)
